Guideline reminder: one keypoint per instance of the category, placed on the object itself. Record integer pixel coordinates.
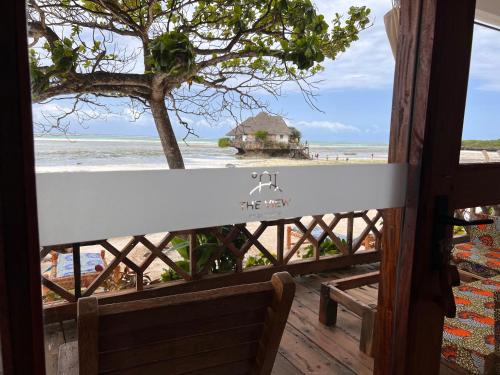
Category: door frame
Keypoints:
(20, 292)
(432, 32)
(430, 94)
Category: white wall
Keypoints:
(85, 206)
(282, 140)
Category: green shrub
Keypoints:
(172, 53)
(296, 134)
(206, 246)
(492, 144)
(257, 260)
(327, 247)
(224, 142)
(261, 135)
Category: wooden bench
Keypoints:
(333, 293)
(234, 330)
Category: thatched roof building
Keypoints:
(272, 125)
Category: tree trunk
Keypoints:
(166, 133)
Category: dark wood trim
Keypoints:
(473, 181)
(399, 141)
(438, 105)
(66, 311)
(21, 312)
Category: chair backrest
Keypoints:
(234, 330)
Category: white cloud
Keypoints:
(332, 126)
(368, 63)
(485, 63)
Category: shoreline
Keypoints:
(466, 156)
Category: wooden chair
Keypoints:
(234, 330)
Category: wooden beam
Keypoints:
(482, 177)
(20, 293)
(437, 110)
(402, 109)
(356, 281)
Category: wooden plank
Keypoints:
(437, 102)
(366, 342)
(282, 366)
(170, 349)
(77, 270)
(260, 291)
(334, 341)
(53, 339)
(284, 291)
(123, 340)
(364, 296)
(355, 305)
(347, 321)
(88, 328)
(67, 363)
(356, 281)
(476, 177)
(307, 357)
(350, 228)
(399, 145)
(155, 318)
(199, 362)
(280, 245)
(327, 307)
(234, 368)
(193, 259)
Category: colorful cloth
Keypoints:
(469, 338)
(317, 232)
(476, 258)
(486, 234)
(88, 263)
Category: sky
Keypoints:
(354, 95)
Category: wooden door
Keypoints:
(429, 103)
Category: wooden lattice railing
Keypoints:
(236, 242)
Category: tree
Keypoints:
(179, 57)
(296, 134)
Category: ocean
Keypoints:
(97, 152)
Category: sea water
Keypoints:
(97, 152)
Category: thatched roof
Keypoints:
(273, 125)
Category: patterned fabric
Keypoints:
(88, 263)
(469, 338)
(486, 234)
(477, 259)
(497, 330)
(317, 232)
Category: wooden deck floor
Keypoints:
(307, 346)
